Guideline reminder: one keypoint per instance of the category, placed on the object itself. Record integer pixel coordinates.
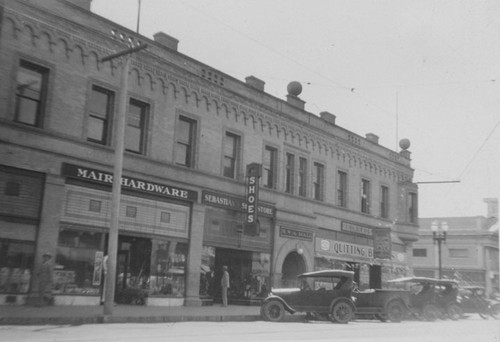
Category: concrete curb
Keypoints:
(124, 319)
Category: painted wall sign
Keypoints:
(296, 234)
(233, 203)
(101, 177)
(357, 229)
(343, 250)
(382, 243)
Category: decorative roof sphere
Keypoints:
(404, 144)
(294, 88)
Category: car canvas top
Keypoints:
(424, 280)
(328, 273)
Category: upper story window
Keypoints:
(318, 181)
(184, 153)
(458, 252)
(270, 167)
(231, 154)
(412, 207)
(136, 127)
(302, 177)
(31, 90)
(100, 109)
(290, 173)
(420, 252)
(384, 201)
(365, 196)
(342, 189)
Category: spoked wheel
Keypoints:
(395, 311)
(430, 312)
(273, 311)
(342, 312)
(454, 311)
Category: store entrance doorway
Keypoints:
(293, 265)
(375, 277)
(132, 267)
(239, 265)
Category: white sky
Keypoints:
(426, 70)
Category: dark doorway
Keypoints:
(293, 265)
(239, 265)
(375, 277)
(133, 263)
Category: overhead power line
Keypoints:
(479, 149)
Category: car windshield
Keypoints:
(317, 283)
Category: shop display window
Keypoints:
(168, 268)
(16, 265)
(78, 263)
(207, 275)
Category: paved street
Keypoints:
(471, 329)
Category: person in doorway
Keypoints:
(224, 283)
(45, 274)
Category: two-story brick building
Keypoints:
(327, 196)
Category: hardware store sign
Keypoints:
(343, 250)
(97, 176)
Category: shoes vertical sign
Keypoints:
(254, 172)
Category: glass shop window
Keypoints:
(79, 262)
(168, 268)
(16, 265)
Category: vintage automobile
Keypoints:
(383, 304)
(472, 299)
(432, 298)
(322, 294)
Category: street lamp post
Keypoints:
(439, 230)
(109, 289)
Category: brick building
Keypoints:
(327, 196)
(470, 252)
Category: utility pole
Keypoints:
(119, 133)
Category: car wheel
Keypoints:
(273, 311)
(395, 311)
(430, 312)
(342, 312)
(454, 311)
(495, 311)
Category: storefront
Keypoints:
(21, 193)
(152, 244)
(362, 249)
(227, 241)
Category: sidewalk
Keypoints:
(77, 315)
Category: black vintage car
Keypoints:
(382, 304)
(324, 294)
(433, 298)
(473, 300)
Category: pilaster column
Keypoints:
(48, 229)
(194, 256)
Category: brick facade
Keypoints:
(173, 85)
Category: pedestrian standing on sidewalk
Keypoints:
(224, 283)
(45, 281)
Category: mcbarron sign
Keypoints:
(105, 178)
